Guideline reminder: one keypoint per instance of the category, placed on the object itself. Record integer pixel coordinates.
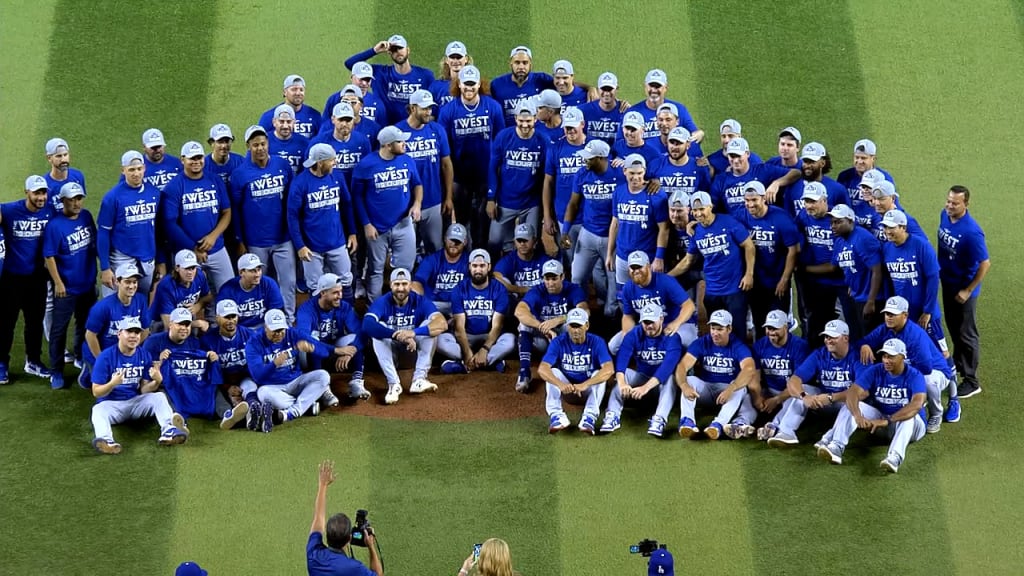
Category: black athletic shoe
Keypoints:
(966, 390)
(254, 417)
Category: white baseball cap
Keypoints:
(679, 134)
(842, 211)
(191, 149)
(835, 329)
(737, 146)
(896, 305)
(553, 267)
(894, 218)
(577, 317)
(565, 66)
(275, 319)
(865, 146)
(391, 134)
(594, 149)
(53, 145)
(607, 80)
(218, 131)
(186, 259)
(249, 262)
(326, 282)
(730, 126)
(633, 119)
(400, 274)
(651, 312)
(721, 318)
(455, 48)
(893, 347)
(226, 308)
(152, 138)
(362, 70)
(572, 117)
(35, 182)
(481, 254)
(656, 76)
(813, 151)
(776, 319)
(421, 98)
(181, 316)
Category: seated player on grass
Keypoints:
(185, 287)
(576, 368)
(776, 355)
(228, 342)
(328, 318)
(439, 273)
(103, 324)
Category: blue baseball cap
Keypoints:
(189, 569)
(661, 564)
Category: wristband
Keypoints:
(422, 331)
(803, 394)
(659, 254)
(486, 347)
(565, 228)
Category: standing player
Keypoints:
(259, 190)
(564, 79)
(818, 280)
(515, 178)
(221, 161)
(398, 81)
(723, 367)
(350, 147)
(320, 222)
(655, 88)
(562, 165)
(282, 140)
(127, 225)
(677, 171)
(58, 155)
(815, 163)
(472, 120)
(789, 149)
(603, 116)
(864, 152)
(479, 305)
(23, 282)
(639, 221)
(329, 319)
(542, 313)
(273, 360)
(185, 287)
(885, 198)
(306, 118)
(729, 257)
(657, 354)
(160, 168)
(727, 189)
(576, 367)
(455, 59)
(195, 211)
(439, 273)
(914, 270)
(549, 115)
(428, 147)
(353, 96)
(776, 354)
(228, 343)
(521, 270)
(515, 89)
(858, 255)
(125, 385)
(718, 161)
(403, 321)
(832, 368)
(895, 395)
(963, 264)
(252, 292)
(632, 141)
(69, 254)
(372, 105)
(647, 287)
(101, 328)
(388, 195)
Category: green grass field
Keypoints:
(936, 84)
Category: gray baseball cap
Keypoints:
(457, 232)
(721, 318)
(481, 254)
(227, 308)
(651, 312)
(552, 267)
(275, 319)
(326, 282)
(776, 319)
(400, 274)
(577, 317)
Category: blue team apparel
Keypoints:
(922, 352)
(439, 277)
(515, 176)
(545, 305)
(720, 162)
(889, 393)
(373, 109)
(230, 351)
(640, 215)
(521, 272)
(598, 192)
(223, 171)
(319, 212)
(53, 187)
(850, 179)
(191, 380)
(727, 188)
(563, 164)
(688, 178)
(772, 235)
(427, 146)
(107, 314)
(718, 364)
(132, 213)
(328, 326)
(72, 244)
(171, 294)
(382, 190)
(252, 304)
(510, 95)
(323, 561)
(258, 202)
(133, 368)
(479, 304)
(158, 174)
(471, 131)
(831, 374)
(384, 316)
(792, 195)
(962, 249)
(855, 256)
(190, 209)
(395, 87)
(662, 289)
(348, 153)
(260, 353)
(620, 149)
(817, 246)
(655, 356)
(600, 123)
(291, 150)
(23, 230)
(778, 364)
(914, 271)
(307, 121)
(577, 361)
(719, 244)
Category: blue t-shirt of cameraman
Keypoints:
(324, 561)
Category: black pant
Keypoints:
(762, 301)
(75, 306)
(860, 325)
(471, 211)
(819, 307)
(736, 304)
(963, 331)
(27, 294)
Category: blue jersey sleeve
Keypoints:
(673, 355)
(808, 369)
(626, 350)
(601, 353)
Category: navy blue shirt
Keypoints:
(471, 130)
(323, 561)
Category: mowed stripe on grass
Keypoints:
(797, 65)
(930, 91)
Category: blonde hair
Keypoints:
(495, 559)
(446, 70)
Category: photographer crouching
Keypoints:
(331, 559)
(492, 558)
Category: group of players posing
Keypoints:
(625, 194)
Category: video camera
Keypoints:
(645, 547)
(361, 529)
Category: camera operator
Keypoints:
(493, 559)
(331, 560)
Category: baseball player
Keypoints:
(349, 146)
(729, 257)
(195, 211)
(124, 383)
(252, 292)
(657, 354)
(320, 221)
(723, 367)
(639, 221)
(185, 287)
(819, 282)
(667, 120)
(329, 319)
(789, 149)
(228, 343)
(472, 120)
(305, 118)
(561, 167)
(914, 271)
(373, 106)
(221, 161)
(603, 115)
(886, 399)
(576, 366)
(858, 255)
(479, 305)
(439, 273)
(728, 187)
(692, 280)
(282, 141)
(403, 321)
(455, 59)
(24, 278)
(58, 155)
(515, 178)
(864, 152)
(963, 264)
(832, 368)
(514, 89)
(776, 355)
(127, 225)
(353, 96)
(101, 328)
(632, 141)
(273, 360)
(592, 193)
(718, 161)
(521, 270)
(69, 254)
(259, 192)
(549, 115)
(160, 168)
(191, 375)
(655, 88)
(397, 81)
(542, 313)
(564, 79)
(388, 195)
(922, 353)
(677, 171)
(885, 198)
(428, 147)
(646, 287)
(815, 163)
(864, 204)
(777, 242)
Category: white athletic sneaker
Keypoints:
(421, 385)
(891, 464)
(178, 421)
(329, 400)
(357, 389)
(394, 391)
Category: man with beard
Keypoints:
(372, 105)
(514, 89)
(520, 270)
(818, 281)
(677, 171)
(327, 318)
(259, 190)
(403, 321)
(282, 141)
(858, 255)
(560, 169)
(515, 178)
(127, 225)
(305, 118)
(655, 88)
(646, 287)
(776, 355)
(160, 168)
(455, 59)
(679, 242)
(58, 155)
(727, 187)
(815, 164)
(350, 147)
(479, 305)
(439, 273)
(603, 116)
(397, 81)
(718, 161)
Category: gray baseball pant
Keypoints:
(428, 229)
(707, 393)
(281, 258)
(300, 394)
(449, 347)
(401, 239)
(592, 396)
(666, 394)
(106, 414)
(901, 433)
(503, 229)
